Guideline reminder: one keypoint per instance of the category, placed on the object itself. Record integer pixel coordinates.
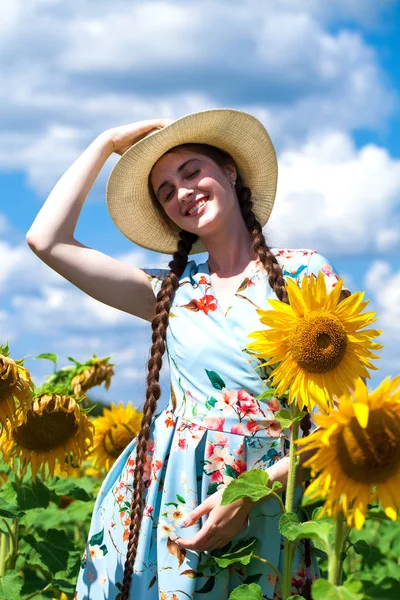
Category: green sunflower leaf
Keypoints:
(292, 529)
(48, 356)
(33, 495)
(323, 590)
(67, 487)
(252, 484)
(52, 551)
(10, 586)
(247, 592)
(271, 393)
(242, 553)
(10, 511)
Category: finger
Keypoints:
(201, 541)
(198, 512)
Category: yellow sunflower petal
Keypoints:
(114, 430)
(361, 412)
(333, 296)
(295, 298)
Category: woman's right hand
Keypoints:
(123, 137)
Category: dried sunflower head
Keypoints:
(114, 430)
(95, 372)
(54, 428)
(15, 384)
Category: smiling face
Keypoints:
(194, 191)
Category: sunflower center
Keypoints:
(370, 455)
(47, 431)
(318, 342)
(117, 438)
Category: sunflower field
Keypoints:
(55, 454)
(57, 447)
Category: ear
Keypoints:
(230, 171)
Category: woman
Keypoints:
(204, 182)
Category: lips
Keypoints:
(192, 204)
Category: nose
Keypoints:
(184, 194)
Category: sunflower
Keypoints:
(15, 383)
(357, 453)
(315, 342)
(113, 431)
(95, 372)
(55, 428)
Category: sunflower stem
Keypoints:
(290, 487)
(335, 561)
(47, 588)
(266, 562)
(13, 555)
(3, 552)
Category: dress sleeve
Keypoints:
(156, 277)
(316, 263)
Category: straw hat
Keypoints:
(240, 134)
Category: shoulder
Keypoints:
(293, 261)
(157, 275)
(297, 262)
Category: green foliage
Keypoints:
(323, 590)
(48, 356)
(373, 557)
(285, 420)
(44, 526)
(10, 586)
(318, 531)
(252, 484)
(53, 523)
(52, 551)
(10, 511)
(247, 592)
(241, 552)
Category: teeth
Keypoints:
(196, 207)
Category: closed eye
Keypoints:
(168, 196)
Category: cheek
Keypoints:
(172, 210)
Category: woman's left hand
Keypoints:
(221, 526)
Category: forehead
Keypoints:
(171, 160)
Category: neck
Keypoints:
(229, 249)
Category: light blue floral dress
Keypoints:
(212, 431)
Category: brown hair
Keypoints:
(159, 326)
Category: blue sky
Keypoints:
(324, 78)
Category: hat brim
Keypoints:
(240, 134)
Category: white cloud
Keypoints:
(22, 271)
(72, 72)
(384, 283)
(336, 198)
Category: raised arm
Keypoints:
(51, 236)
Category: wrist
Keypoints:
(104, 140)
(247, 503)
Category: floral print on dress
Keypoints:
(214, 428)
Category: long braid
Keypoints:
(259, 246)
(159, 327)
(276, 280)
